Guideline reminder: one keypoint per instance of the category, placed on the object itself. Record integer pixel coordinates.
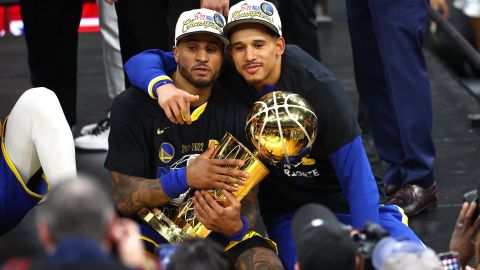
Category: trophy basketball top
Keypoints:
(282, 126)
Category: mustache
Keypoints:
(253, 63)
(201, 66)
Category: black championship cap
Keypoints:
(322, 242)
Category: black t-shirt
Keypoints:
(313, 180)
(144, 143)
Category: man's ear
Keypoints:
(280, 46)
(297, 266)
(45, 236)
(175, 53)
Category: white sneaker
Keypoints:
(87, 129)
(97, 139)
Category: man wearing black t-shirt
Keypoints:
(154, 163)
(336, 173)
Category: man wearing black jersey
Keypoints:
(145, 145)
(336, 173)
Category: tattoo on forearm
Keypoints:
(132, 193)
(258, 258)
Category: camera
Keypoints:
(366, 241)
(367, 238)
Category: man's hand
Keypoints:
(176, 103)
(110, 2)
(206, 173)
(223, 219)
(126, 238)
(464, 233)
(441, 6)
(220, 6)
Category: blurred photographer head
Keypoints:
(77, 208)
(321, 240)
(79, 218)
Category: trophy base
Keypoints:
(163, 225)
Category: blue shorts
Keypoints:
(279, 230)
(16, 199)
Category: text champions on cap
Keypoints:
(264, 11)
(216, 22)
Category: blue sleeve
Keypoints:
(357, 182)
(147, 70)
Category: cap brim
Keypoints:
(304, 216)
(222, 38)
(327, 243)
(229, 26)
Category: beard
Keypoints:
(198, 83)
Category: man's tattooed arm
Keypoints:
(250, 207)
(258, 258)
(132, 193)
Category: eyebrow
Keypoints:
(236, 43)
(240, 42)
(215, 42)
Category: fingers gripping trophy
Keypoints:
(282, 126)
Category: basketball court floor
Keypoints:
(457, 142)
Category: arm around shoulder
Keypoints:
(149, 68)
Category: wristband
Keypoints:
(240, 234)
(155, 83)
(174, 183)
(158, 84)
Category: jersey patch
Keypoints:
(166, 152)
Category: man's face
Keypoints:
(199, 58)
(256, 54)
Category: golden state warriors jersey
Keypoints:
(144, 143)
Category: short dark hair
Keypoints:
(77, 208)
(200, 254)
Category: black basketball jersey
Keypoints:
(144, 143)
(313, 179)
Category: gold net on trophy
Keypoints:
(281, 125)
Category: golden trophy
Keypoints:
(281, 125)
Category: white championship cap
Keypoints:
(254, 11)
(200, 21)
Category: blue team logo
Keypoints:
(166, 153)
(219, 19)
(267, 8)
